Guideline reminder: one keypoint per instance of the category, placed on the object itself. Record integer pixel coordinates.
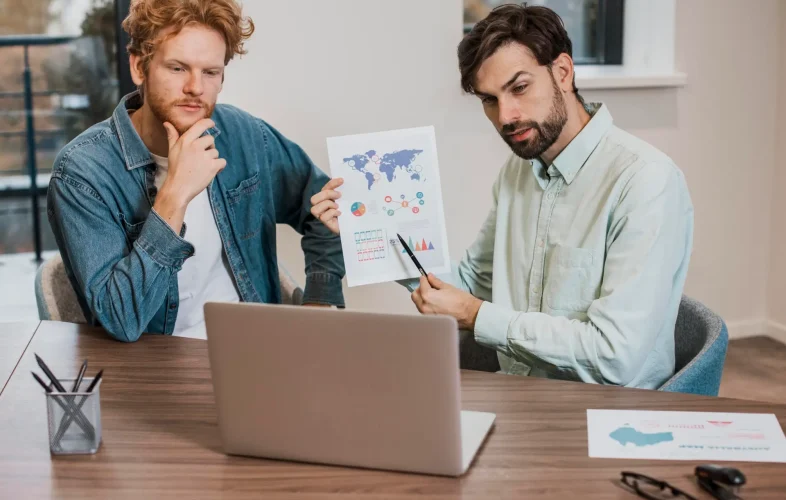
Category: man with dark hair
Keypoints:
(579, 268)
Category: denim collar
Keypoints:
(572, 158)
(135, 153)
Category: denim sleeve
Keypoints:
(296, 180)
(122, 288)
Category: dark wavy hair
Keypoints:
(538, 28)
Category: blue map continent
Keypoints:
(370, 180)
(399, 159)
(625, 435)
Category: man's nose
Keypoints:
(194, 84)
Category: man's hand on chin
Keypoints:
(434, 296)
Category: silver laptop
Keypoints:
(339, 387)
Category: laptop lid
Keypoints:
(337, 387)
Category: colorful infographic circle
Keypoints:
(358, 209)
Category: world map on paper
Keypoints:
(375, 167)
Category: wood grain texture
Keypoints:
(161, 439)
(755, 369)
(14, 338)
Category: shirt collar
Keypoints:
(572, 158)
(135, 153)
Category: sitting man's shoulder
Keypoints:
(636, 161)
(89, 154)
(235, 120)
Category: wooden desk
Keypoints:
(161, 439)
(14, 338)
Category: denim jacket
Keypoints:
(123, 259)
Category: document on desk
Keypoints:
(391, 186)
(681, 435)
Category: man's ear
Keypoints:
(562, 69)
(137, 74)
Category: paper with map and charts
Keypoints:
(391, 185)
(682, 435)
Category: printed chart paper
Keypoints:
(391, 185)
(682, 435)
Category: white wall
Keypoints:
(777, 276)
(318, 69)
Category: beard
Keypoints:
(168, 112)
(544, 134)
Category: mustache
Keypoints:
(509, 128)
(190, 102)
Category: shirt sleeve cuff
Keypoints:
(491, 326)
(162, 244)
(323, 288)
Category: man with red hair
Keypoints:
(173, 201)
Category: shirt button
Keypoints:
(551, 196)
(172, 306)
(540, 243)
(536, 290)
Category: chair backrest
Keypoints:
(57, 300)
(54, 294)
(700, 341)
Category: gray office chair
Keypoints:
(57, 301)
(700, 341)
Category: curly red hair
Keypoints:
(148, 18)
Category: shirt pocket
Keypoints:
(245, 208)
(132, 230)
(569, 284)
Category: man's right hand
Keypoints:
(193, 163)
(324, 206)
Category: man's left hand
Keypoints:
(434, 296)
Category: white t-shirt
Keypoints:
(205, 276)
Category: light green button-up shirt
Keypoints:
(582, 262)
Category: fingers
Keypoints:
(219, 164)
(417, 298)
(435, 282)
(325, 195)
(321, 208)
(205, 142)
(171, 134)
(212, 153)
(198, 129)
(424, 284)
(329, 215)
(333, 184)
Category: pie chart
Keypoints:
(358, 209)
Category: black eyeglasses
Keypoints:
(646, 486)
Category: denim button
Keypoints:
(173, 306)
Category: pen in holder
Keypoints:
(74, 420)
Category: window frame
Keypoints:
(611, 20)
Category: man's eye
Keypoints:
(177, 68)
(518, 89)
(487, 100)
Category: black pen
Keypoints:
(43, 384)
(95, 381)
(79, 377)
(49, 374)
(412, 256)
